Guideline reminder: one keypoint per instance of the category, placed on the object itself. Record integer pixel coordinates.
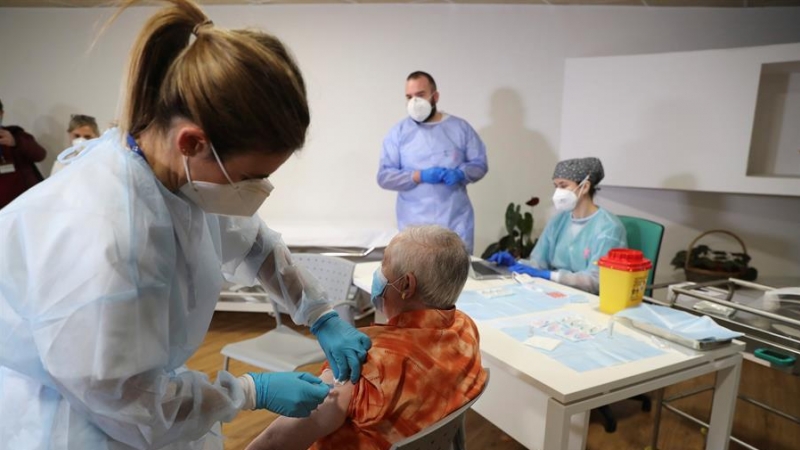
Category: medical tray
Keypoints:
(702, 344)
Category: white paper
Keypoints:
(542, 342)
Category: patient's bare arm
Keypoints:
(287, 433)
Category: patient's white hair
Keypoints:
(437, 257)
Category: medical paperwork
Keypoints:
(531, 314)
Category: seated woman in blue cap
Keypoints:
(578, 236)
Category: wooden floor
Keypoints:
(767, 432)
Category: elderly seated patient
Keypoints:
(423, 364)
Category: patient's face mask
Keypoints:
(420, 109)
(242, 198)
(379, 284)
(566, 199)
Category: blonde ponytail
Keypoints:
(241, 86)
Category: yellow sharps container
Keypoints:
(623, 277)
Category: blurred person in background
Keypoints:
(82, 128)
(19, 153)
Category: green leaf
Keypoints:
(510, 218)
(701, 249)
(679, 260)
(527, 224)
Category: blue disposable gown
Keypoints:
(574, 258)
(450, 143)
(108, 286)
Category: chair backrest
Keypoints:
(446, 434)
(335, 274)
(644, 235)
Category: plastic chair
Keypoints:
(448, 433)
(646, 236)
(284, 349)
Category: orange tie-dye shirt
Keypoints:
(422, 366)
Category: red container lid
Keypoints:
(625, 259)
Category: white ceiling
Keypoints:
(673, 3)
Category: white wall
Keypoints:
(500, 67)
(659, 121)
(776, 137)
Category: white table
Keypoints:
(545, 405)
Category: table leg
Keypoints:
(657, 419)
(556, 433)
(723, 406)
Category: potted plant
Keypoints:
(519, 228)
(702, 263)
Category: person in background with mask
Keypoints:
(578, 236)
(429, 158)
(112, 269)
(81, 129)
(19, 153)
(424, 363)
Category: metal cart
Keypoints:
(771, 334)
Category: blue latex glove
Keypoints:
(532, 271)
(344, 346)
(292, 394)
(453, 176)
(503, 258)
(434, 175)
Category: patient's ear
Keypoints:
(410, 286)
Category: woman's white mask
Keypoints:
(567, 199)
(419, 109)
(242, 198)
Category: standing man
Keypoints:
(429, 158)
(19, 152)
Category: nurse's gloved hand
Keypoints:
(292, 394)
(344, 346)
(503, 258)
(532, 271)
(434, 175)
(453, 176)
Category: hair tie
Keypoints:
(196, 28)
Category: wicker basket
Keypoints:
(701, 275)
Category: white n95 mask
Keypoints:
(564, 200)
(419, 109)
(78, 141)
(233, 199)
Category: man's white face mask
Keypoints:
(233, 199)
(419, 109)
(78, 141)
